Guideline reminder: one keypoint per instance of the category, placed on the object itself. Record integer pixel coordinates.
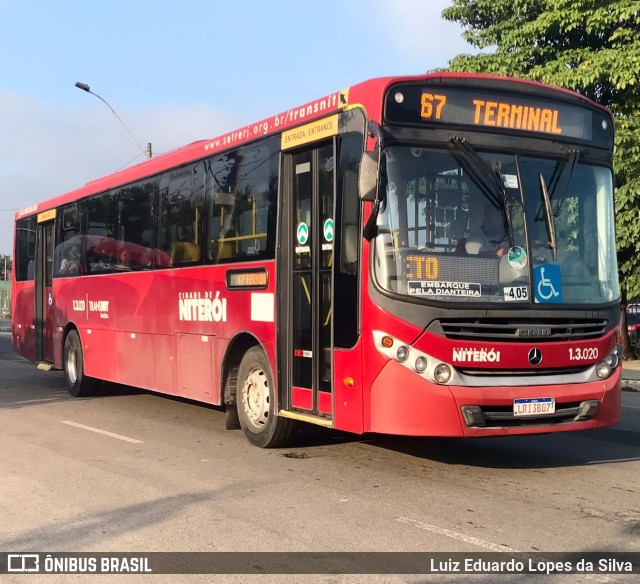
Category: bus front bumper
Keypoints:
(403, 403)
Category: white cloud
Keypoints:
(47, 151)
(417, 30)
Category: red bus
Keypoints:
(425, 256)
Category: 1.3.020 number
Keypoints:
(586, 354)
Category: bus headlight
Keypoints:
(603, 370)
(421, 365)
(609, 363)
(430, 368)
(402, 353)
(442, 373)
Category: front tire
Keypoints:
(256, 402)
(78, 384)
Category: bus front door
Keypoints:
(44, 293)
(306, 298)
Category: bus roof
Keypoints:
(367, 94)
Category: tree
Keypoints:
(590, 46)
(5, 267)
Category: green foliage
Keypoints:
(589, 46)
(5, 263)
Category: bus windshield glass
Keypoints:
(489, 227)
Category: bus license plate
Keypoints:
(538, 406)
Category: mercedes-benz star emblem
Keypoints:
(535, 356)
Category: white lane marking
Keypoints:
(632, 407)
(34, 401)
(495, 547)
(104, 432)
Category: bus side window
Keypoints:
(136, 225)
(218, 185)
(25, 249)
(181, 215)
(345, 304)
(100, 218)
(68, 254)
(221, 235)
(350, 227)
(241, 192)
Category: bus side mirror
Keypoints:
(368, 177)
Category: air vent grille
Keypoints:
(497, 329)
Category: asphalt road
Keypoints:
(135, 471)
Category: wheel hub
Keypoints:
(72, 366)
(256, 398)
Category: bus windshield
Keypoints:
(491, 227)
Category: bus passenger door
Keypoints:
(306, 276)
(44, 292)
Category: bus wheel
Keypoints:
(78, 384)
(257, 404)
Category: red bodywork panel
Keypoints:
(22, 319)
(402, 402)
(402, 405)
(165, 330)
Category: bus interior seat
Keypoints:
(221, 249)
(226, 249)
(183, 252)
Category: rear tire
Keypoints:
(78, 384)
(256, 402)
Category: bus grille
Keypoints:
(495, 329)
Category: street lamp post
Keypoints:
(85, 87)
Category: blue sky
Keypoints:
(181, 71)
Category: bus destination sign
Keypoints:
(498, 114)
(483, 109)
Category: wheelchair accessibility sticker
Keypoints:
(547, 284)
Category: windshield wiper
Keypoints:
(505, 204)
(558, 187)
(549, 218)
(482, 173)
